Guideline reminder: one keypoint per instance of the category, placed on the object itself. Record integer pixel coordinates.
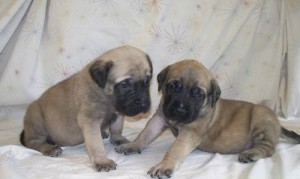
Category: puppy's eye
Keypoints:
(197, 92)
(125, 84)
(175, 85)
(147, 80)
(178, 86)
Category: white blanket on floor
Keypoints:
(18, 162)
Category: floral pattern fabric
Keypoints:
(250, 46)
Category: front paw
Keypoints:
(161, 170)
(129, 148)
(105, 165)
(118, 140)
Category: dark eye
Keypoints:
(147, 80)
(197, 92)
(175, 86)
(125, 84)
(170, 85)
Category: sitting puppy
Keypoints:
(191, 108)
(97, 97)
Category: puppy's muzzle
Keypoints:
(180, 109)
(143, 103)
(137, 105)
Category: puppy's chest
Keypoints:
(174, 127)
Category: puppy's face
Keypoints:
(182, 103)
(125, 73)
(188, 91)
(132, 95)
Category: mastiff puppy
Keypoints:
(191, 108)
(80, 108)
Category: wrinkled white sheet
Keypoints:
(18, 162)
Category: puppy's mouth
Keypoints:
(133, 111)
(179, 115)
(179, 119)
(134, 107)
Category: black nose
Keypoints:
(143, 102)
(180, 109)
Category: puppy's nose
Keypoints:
(143, 102)
(180, 109)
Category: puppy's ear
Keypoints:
(161, 77)
(214, 92)
(150, 63)
(99, 72)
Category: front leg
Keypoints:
(116, 129)
(185, 143)
(94, 144)
(154, 127)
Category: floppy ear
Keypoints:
(214, 92)
(150, 63)
(99, 72)
(161, 77)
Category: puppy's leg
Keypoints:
(154, 127)
(35, 135)
(185, 143)
(116, 128)
(104, 129)
(93, 141)
(263, 146)
(264, 136)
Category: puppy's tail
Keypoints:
(290, 135)
(22, 138)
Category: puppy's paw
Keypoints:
(105, 165)
(248, 156)
(118, 140)
(129, 148)
(53, 151)
(104, 134)
(161, 171)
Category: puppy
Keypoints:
(191, 108)
(80, 108)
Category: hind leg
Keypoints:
(35, 135)
(39, 143)
(263, 146)
(264, 135)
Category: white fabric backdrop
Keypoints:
(243, 42)
(11, 13)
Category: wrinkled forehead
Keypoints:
(191, 74)
(128, 62)
(136, 68)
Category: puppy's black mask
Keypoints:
(182, 104)
(132, 97)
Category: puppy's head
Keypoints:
(125, 74)
(188, 89)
